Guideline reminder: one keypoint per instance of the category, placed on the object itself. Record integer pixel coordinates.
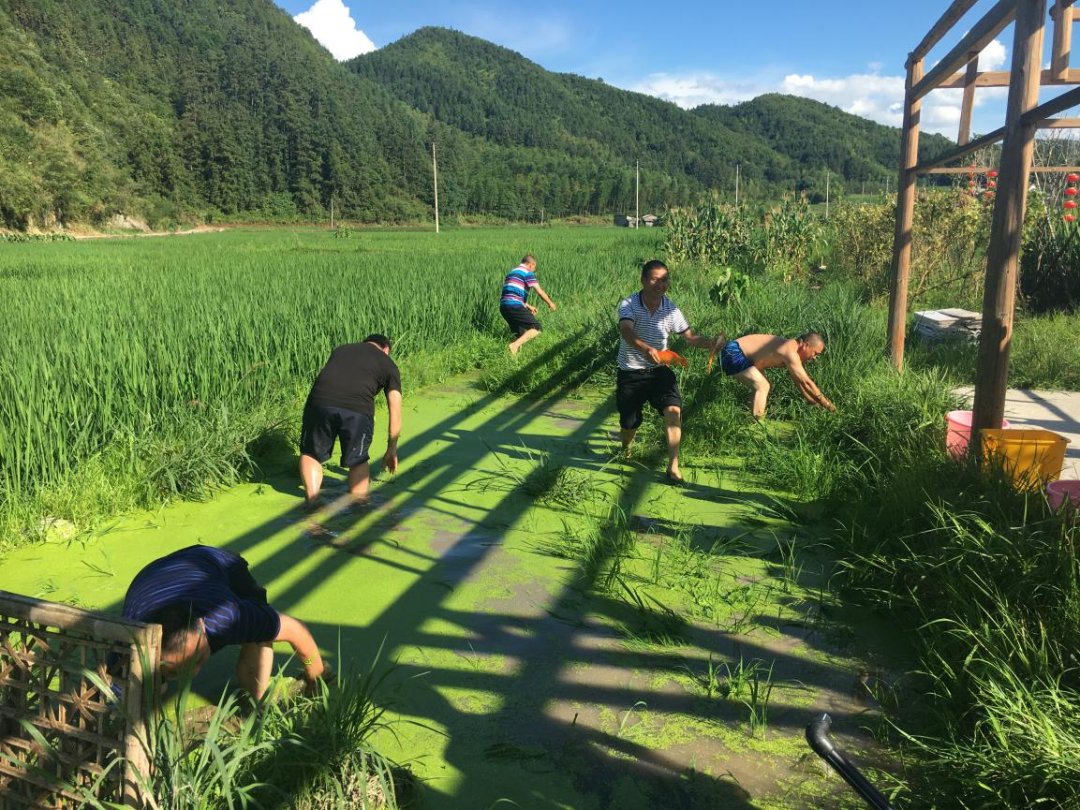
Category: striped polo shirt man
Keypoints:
(217, 586)
(651, 327)
(516, 286)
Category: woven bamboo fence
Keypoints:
(62, 734)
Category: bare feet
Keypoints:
(675, 477)
(514, 348)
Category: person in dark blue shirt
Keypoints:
(206, 599)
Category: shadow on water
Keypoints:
(540, 724)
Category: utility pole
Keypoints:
(637, 194)
(331, 212)
(736, 185)
(435, 181)
(826, 194)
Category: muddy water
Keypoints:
(527, 680)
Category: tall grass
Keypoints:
(166, 360)
(293, 750)
(982, 579)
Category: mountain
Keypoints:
(817, 136)
(498, 95)
(170, 108)
(173, 111)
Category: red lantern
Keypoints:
(1072, 177)
(1070, 192)
(1068, 218)
(992, 173)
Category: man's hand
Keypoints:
(389, 460)
(551, 305)
(654, 355)
(720, 342)
(531, 308)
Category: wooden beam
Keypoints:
(950, 18)
(969, 99)
(1063, 102)
(1060, 123)
(981, 169)
(959, 151)
(975, 40)
(905, 216)
(1000, 78)
(1006, 225)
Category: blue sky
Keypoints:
(849, 54)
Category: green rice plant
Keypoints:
(790, 566)
(167, 363)
(759, 688)
(548, 479)
(651, 621)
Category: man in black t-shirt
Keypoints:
(341, 405)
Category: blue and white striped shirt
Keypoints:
(516, 286)
(218, 587)
(651, 327)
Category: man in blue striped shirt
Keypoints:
(205, 599)
(514, 304)
(646, 320)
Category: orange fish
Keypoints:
(670, 358)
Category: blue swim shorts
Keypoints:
(732, 359)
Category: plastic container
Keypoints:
(958, 432)
(1029, 457)
(1064, 492)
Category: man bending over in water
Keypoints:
(745, 358)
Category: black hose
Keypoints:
(817, 734)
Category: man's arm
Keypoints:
(544, 297)
(393, 408)
(809, 390)
(702, 342)
(295, 633)
(626, 330)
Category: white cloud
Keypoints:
(992, 56)
(869, 95)
(331, 23)
(693, 89)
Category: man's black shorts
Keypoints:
(322, 424)
(520, 320)
(633, 389)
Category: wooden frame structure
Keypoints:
(1024, 116)
(59, 734)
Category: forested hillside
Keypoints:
(161, 108)
(180, 112)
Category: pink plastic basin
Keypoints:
(1062, 491)
(958, 432)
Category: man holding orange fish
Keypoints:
(646, 320)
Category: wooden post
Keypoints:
(969, 100)
(905, 216)
(140, 700)
(1062, 14)
(435, 184)
(1006, 226)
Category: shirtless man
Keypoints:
(745, 358)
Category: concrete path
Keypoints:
(1058, 411)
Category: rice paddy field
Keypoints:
(523, 617)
